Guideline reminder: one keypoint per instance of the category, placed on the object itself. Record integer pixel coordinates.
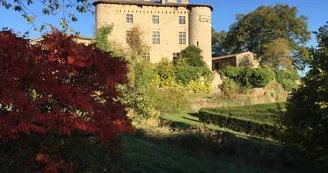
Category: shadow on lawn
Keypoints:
(225, 147)
(190, 119)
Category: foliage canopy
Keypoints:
(307, 112)
(252, 31)
(57, 105)
(49, 7)
(193, 57)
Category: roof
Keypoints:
(76, 37)
(149, 3)
(228, 56)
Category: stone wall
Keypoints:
(198, 30)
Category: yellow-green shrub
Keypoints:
(166, 100)
(165, 72)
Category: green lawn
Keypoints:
(184, 120)
(146, 155)
(261, 113)
(160, 154)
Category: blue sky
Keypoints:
(223, 15)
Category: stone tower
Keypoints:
(200, 30)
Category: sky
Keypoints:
(222, 17)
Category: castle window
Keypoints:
(129, 18)
(156, 37)
(175, 8)
(182, 37)
(128, 34)
(175, 57)
(182, 19)
(155, 19)
(146, 56)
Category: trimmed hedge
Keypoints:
(257, 120)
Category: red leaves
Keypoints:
(42, 158)
(47, 89)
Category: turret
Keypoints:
(200, 29)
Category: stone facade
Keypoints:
(177, 24)
(235, 60)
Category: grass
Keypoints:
(160, 149)
(261, 113)
(148, 155)
(183, 120)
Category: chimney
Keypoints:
(184, 1)
(163, 1)
(172, 1)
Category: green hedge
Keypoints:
(257, 120)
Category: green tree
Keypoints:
(266, 24)
(306, 120)
(218, 41)
(193, 57)
(51, 8)
(277, 55)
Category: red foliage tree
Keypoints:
(54, 97)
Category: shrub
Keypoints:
(286, 74)
(58, 112)
(135, 100)
(144, 74)
(240, 125)
(289, 84)
(186, 74)
(230, 88)
(193, 57)
(165, 71)
(249, 77)
(261, 77)
(167, 100)
(198, 87)
(287, 79)
(231, 72)
(258, 120)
